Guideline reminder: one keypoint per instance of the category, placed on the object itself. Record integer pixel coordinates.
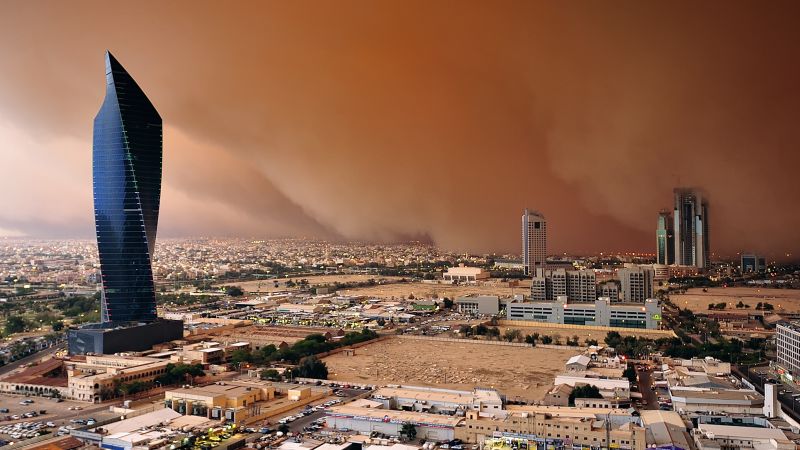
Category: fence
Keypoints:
(559, 326)
(484, 342)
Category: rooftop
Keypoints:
(396, 416)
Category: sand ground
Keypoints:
(426, 290)
(525, 372)
(786, 300)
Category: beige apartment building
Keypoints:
(578, 426)
(88, 379)
(234, 401)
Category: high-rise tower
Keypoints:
(534, 241)
(126, 172)
(691, 228)
(665, 238)
(127, 192)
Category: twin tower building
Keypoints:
(126, 171)
(681, 239)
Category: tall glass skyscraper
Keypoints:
(665, 238)
(691, 228)
(127, 191)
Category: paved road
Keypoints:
(648, 395)
(28, 359)
(788, 396)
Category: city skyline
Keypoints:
(310, 129)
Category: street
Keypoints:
(645, 388)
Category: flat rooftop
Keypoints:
(744, 395)
(397, 416)
(566, 411)
(460, 398)
(721, 431)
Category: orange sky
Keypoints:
(395, 120)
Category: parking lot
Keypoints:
(54, 410)
(310, 418)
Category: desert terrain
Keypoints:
(784, 300)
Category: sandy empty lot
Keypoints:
(425, 290)
(787, 300)
(269, 285)
(525, 372)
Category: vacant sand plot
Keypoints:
(424, 290)
(787, 300)
(526, 372)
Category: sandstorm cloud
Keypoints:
(418, 120)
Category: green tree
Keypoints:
(493, 333)
(234, 291)
(58, 325)
(241, 356)
(613, 339)
(448, 303)
(409, 430)
(630, 373)
(312, 367)
(15, 324)
(547, 340)
(271, 375)
(512, 335)
(585, 391)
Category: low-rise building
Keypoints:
(440, 401)
(234, 401)
(487, 305)
(601, 313)
(561, 427)
(431, 427)
(722, 437)
(716, 401)
(610, 387)
(463, 274)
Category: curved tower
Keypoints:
(126, 166)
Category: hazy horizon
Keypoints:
(396, 121)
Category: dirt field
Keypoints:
(269, 285)
(425, 290)
(787, 300)
(525, 372)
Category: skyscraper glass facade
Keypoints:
(127, 191)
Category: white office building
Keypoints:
(787, 337)
(600, 313)
(483, 305)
